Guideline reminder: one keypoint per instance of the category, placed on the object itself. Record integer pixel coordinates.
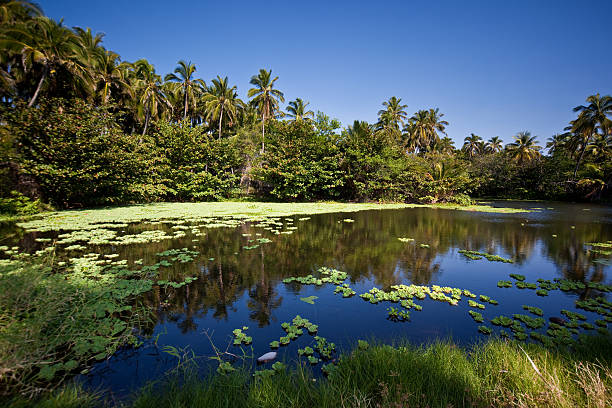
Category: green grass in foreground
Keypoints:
(84, 219)
(494, 373)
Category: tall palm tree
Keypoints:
(43, 43)
(149, 91)
(473, 145)
(265, 98)
(110, 75)
(592, 120)
(221, 99)
(422, 130)
(297, 110)
(191, 86)
(494, 145)
(524, 148)
(394, 113)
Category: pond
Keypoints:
(228, 274)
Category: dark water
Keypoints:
(243, 287)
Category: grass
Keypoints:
(492, 373)
(85, 219)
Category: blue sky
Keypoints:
(493, 67)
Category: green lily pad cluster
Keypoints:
(396, 314)
(327, 275)
(241, 338)
(182, 255)
(486, 299)
(476, 316)
(475, 255)
(345, 289)
(531, 322)
(294, 330)
(504, 284)
(535, 310)
(502, 321)
(477, 305)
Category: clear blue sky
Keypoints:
(493, 67)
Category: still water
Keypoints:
(238, 286)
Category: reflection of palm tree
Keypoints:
(263, 298)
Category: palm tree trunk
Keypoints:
(263, 133)
(580, 158)
(220, 121)
(144, 131)
(42, 79)
(185, 111)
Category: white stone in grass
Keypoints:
(267, 357)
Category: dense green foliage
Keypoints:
(81, 127)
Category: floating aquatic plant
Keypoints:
(504, 284)
(476, 316)
(405, 239)
(535, 310)
(542, 292)
(531, 322)
(485, 330)
(475, 255)
(517, 276)
(471, 303)
(573, 315)
(526, 285)
(309, 299)
(502, 321)
(240, 337)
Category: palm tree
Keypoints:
(43, 43)
(524, 148)
(394, 114)
(265, 98)
(297, 110)
(494, 145)
(12, 11)
(446, 145)
(557, 142)
(592, 118)
(191, 86)
(221, 99)
(473, 145)
(422, 129)
(149, 91)
(110, 75)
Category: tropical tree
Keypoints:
(265, 98)
(421, 132)
(557, 142)
(473, 145)
(221, 99)
(446, 145)
(192, 87)
(43, 43)
(297, 110)
(12, 11)
(494, 145)
(524, 148)
(149, 90)
(592, 120)
(394, 113)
